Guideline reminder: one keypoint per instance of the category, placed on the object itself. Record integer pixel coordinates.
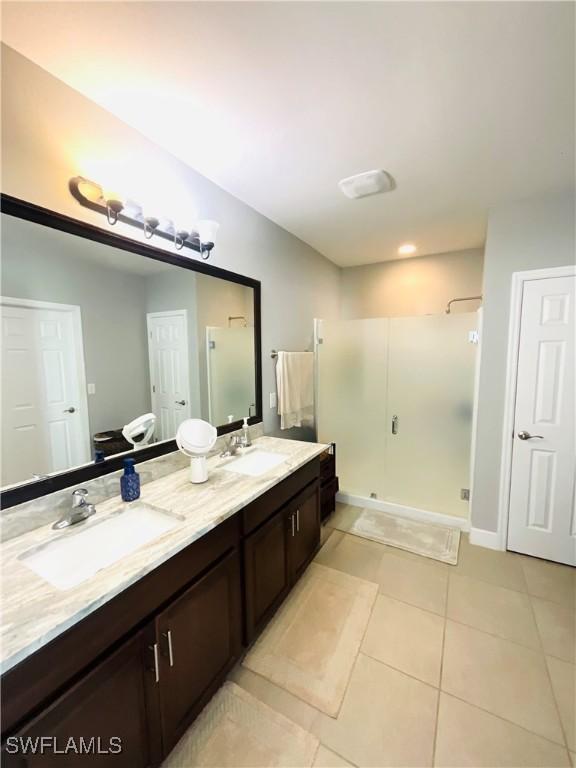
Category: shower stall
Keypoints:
(396, 395)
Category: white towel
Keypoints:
(295, 386)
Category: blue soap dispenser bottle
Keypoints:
(130, 482)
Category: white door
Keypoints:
(44, 406)
(169, 370)
(541, 520)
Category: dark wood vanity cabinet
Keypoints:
(304, 530)
(199, 637)
(143, 666)
(109, 703)
(276, 554)
(266, 578)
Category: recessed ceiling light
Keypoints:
(407, 249)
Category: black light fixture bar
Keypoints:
(192, 240)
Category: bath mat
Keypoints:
(311, 645)
(438, 542)
(236, 730)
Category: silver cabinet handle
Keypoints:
(154, 649)
(180, 402)
(297, 521)
(527, 436)
(292, 519)
(70, 410)
(170, 652)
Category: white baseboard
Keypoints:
(483, 538)
(422, 515)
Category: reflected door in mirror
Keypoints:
(44, 411)
(169, 370)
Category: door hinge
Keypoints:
(153, 387)
(465, 494)
(212, 345)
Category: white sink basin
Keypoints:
(254, 463)
(78, 554)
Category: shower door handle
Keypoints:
(394, 425)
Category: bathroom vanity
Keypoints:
(119, 629)
(138, 649)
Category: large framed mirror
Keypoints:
(108, 344)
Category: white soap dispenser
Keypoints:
(246, 442)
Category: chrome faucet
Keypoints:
(232, 446)
(81, 510)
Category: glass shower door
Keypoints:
(351, 399)
(431, 366)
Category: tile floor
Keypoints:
(467, 665)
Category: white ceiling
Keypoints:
(466, 105)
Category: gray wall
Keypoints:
(530, 234)
(414, 286)
(46, 265)
(51, 133)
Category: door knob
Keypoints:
(180, 402)
(527, 436)
(70, 410)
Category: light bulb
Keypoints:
(207, 230)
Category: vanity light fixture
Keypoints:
(180, 237)
(113, 208)
(150, 226)
(91, 195)
(207, 230)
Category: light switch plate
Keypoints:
(273, 400)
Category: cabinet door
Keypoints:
(265, 572)
(304, 531)
(199, 637)
(102, 720)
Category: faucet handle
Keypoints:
(79, 497)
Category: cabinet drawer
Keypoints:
(327, 467)
(264, 507)
(328, 497)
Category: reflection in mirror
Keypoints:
(94, 338)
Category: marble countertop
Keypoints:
(34, 612)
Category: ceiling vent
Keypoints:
(365, 184)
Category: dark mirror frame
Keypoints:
(21, 209)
